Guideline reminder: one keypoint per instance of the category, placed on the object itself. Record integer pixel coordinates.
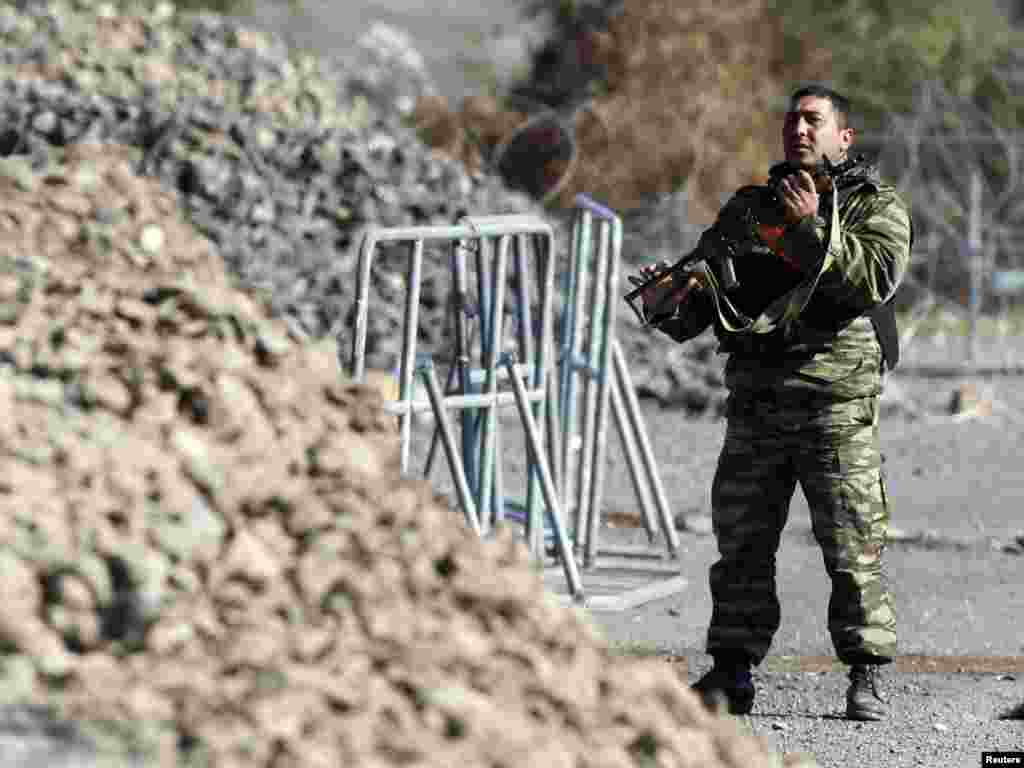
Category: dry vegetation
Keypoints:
(692, 97)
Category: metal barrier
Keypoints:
(498, 243)
(534, 344)
(490, 315)
(564, 417)
(606, 384)
(538, 459)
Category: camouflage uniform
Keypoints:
(805, 374)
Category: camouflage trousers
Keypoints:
(832, 450)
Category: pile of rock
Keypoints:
(279, 158)
(207, 548)
(282, 159)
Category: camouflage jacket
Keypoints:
(815, 337)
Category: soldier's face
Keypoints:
(811, 130)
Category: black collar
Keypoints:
(854, 170)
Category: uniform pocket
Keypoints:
(865, 411)
(857, 441)
(829, 370)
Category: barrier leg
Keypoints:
(646, 453)
(572, 427)
(547, 487)
(412, 314)
(597, 400)
(492, 348)
(462, 353)
(466, 502)
(633, 460)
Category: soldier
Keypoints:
(809, 333)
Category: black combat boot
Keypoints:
(864, 700)
(728, 683)
(1017, 713)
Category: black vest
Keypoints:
(763, 279)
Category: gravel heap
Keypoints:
(279, 158)
(207, 548)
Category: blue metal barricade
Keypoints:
(500, 246)
(590, 320)
(564, 411)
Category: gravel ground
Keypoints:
(955, 488)
(939, 719)
(956, 569)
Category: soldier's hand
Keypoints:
(799, 196)
(648, 271)
(665, 295)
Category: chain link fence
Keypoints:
(964, 178)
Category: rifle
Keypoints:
(719, 258)
(719, 246)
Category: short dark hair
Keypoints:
(840, 104)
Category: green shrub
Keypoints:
(882, 48)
